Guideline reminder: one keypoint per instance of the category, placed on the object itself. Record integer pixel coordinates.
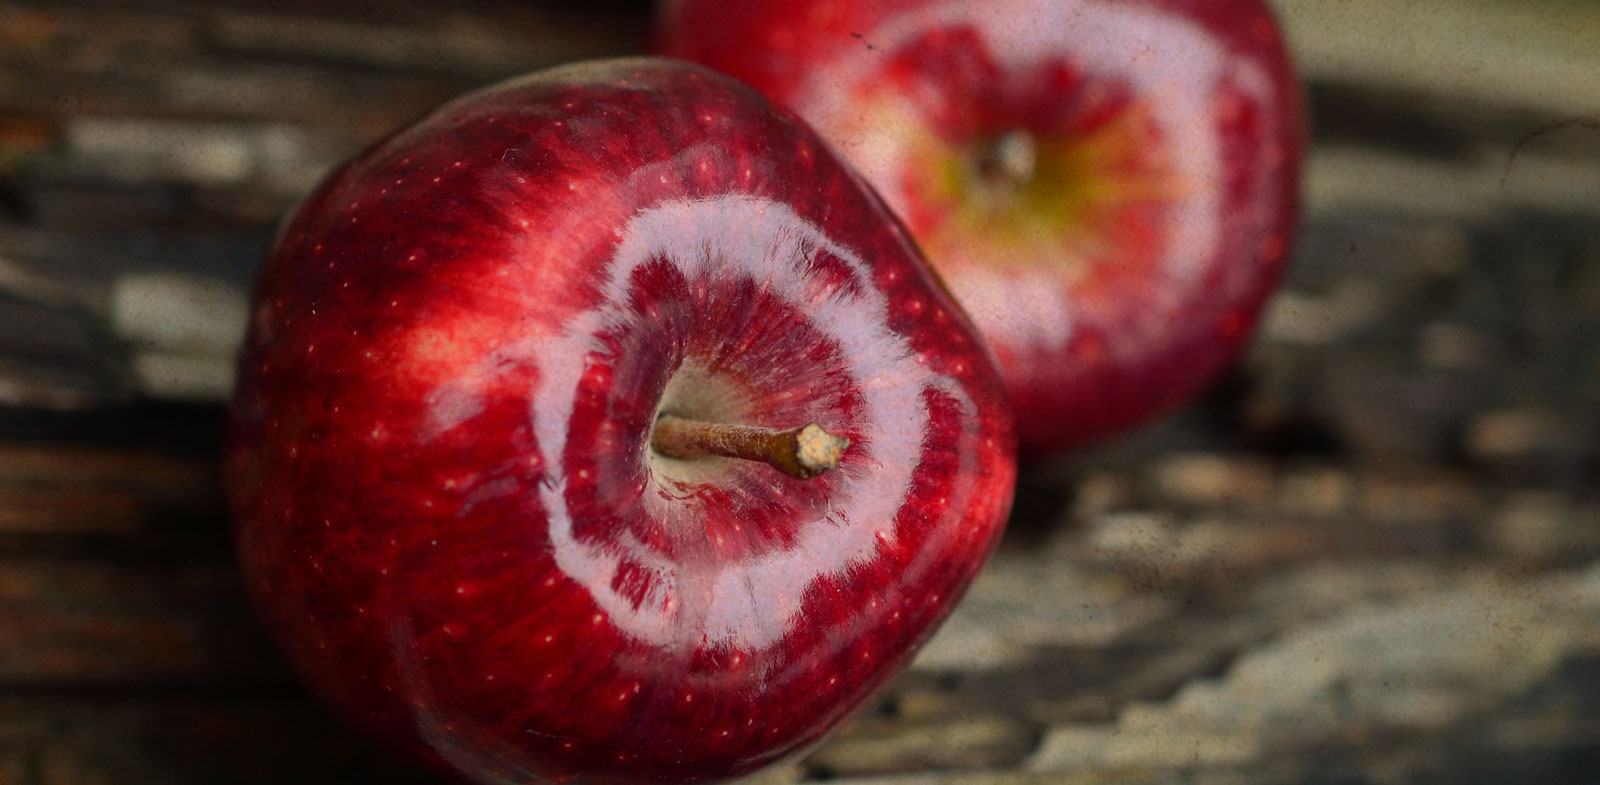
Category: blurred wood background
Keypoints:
(1370, 555)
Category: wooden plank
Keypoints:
(138, 739)
(74, 623)
(1539, 54)
(1368, 556)
(130, 493)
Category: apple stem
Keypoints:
(801, 453)
(1010, 159)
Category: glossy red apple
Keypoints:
(1109, 186)
(474, 450)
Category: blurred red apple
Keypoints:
(1109, 186)
(459, 509)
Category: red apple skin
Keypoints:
(1136, 269)
(447, 509)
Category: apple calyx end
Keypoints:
(801, 453)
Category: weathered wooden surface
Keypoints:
(1372, 555)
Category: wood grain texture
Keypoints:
(1370, 555)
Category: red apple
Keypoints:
(1109, 186)
(476, 450)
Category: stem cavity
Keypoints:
(1009, 160)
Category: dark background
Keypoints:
(1370, 555)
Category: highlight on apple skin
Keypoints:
(457, 510)
(1109, 186)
